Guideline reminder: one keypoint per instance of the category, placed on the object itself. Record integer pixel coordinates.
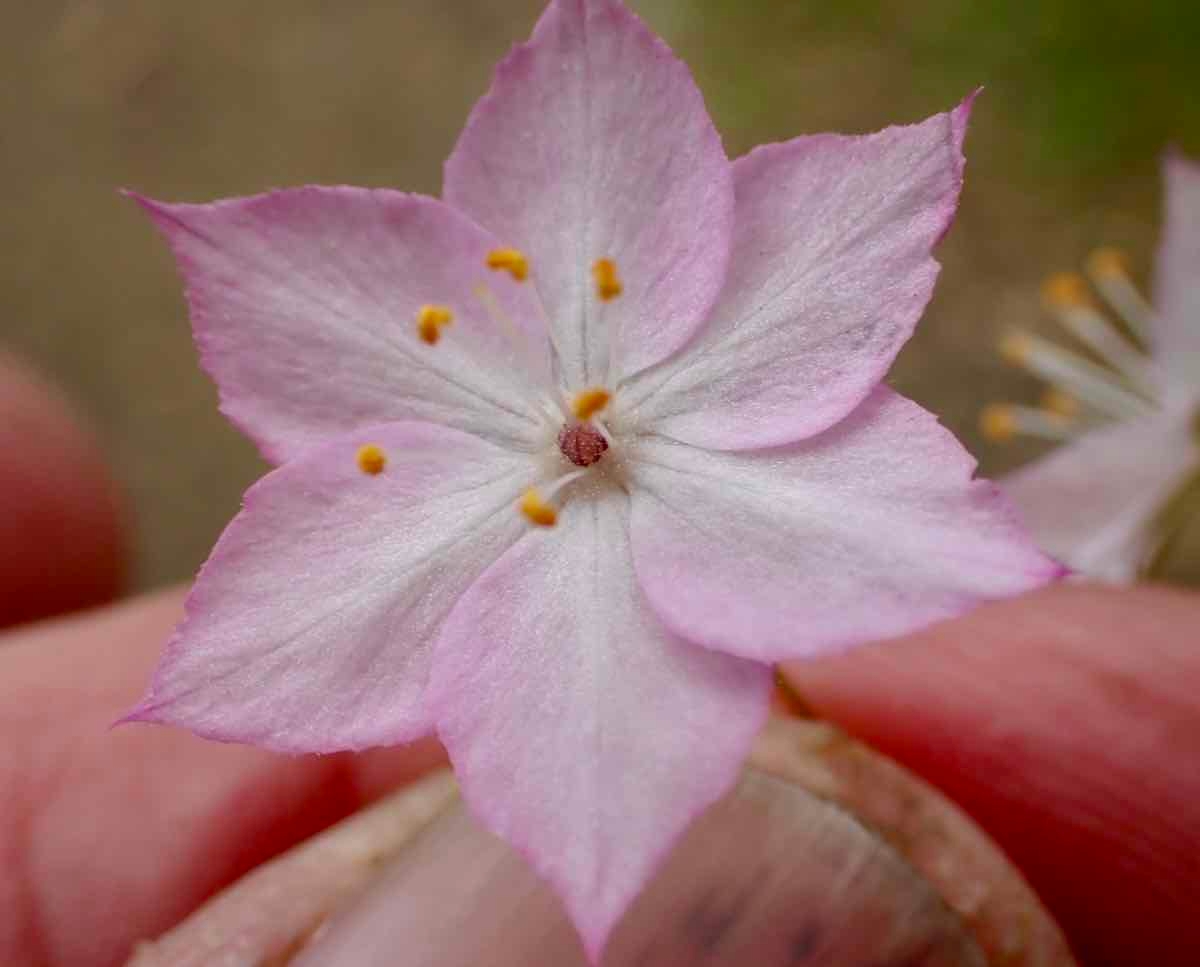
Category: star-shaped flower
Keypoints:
(1111, 500)
(569, 459)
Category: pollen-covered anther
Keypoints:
(430, 322)
(998, 422)
(1108, 263)
(608, 283)
(537, 510)
(1016, 347)
(1062, 405)
(1065, 290)
(510, 260)
(590, 402)
(371, 459)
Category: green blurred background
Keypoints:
(191, 101)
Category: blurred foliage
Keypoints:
(1102, 83)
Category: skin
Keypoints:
(1067, 723)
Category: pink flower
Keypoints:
(1114, 496)
(571, 458)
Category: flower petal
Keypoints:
(581, 730)
(1089, 502)
(831, 269)
(1177, 286)
(304, 304)
(594, 143)
(310, 628)
(867, 531)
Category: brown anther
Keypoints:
(582, 444)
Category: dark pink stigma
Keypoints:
(582, 444)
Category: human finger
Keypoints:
(1067, 724)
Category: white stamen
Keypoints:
(1076, 376)
(550, 490)
(1126, 301)
(1030, 421)
(1099, 334)
(603, 431)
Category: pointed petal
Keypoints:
(581, 731)
(310, 627)
(595, 143)
(831, 269)
(304, 304)
(870, 530)
(1089, 502)
(1177, 286)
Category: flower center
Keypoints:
(582, 444)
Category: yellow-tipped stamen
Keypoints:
(371, 459)
(430, 322)
(997, 422)
(1016, 347)
(1107, 262)
(537, 510)
(1065, 290)
(608, 284)
(1081, 318)
(1088, 382)
(536, 503)
(1060, 404)
(510, 260)
(1000, 422)
(1109, 272)
(590, 402)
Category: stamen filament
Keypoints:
(1096, 332)
(603, 431)
(1106, 268)
(536, 506)
(1069, 372)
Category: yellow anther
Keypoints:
(590, 402)
(537, 510)
(1016, 347)
(509, 260)
(998, 422)
(371, 459)
(1060, 405)
(430, 322)
(1065, 290)
(1108, 263)
(608, 284)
